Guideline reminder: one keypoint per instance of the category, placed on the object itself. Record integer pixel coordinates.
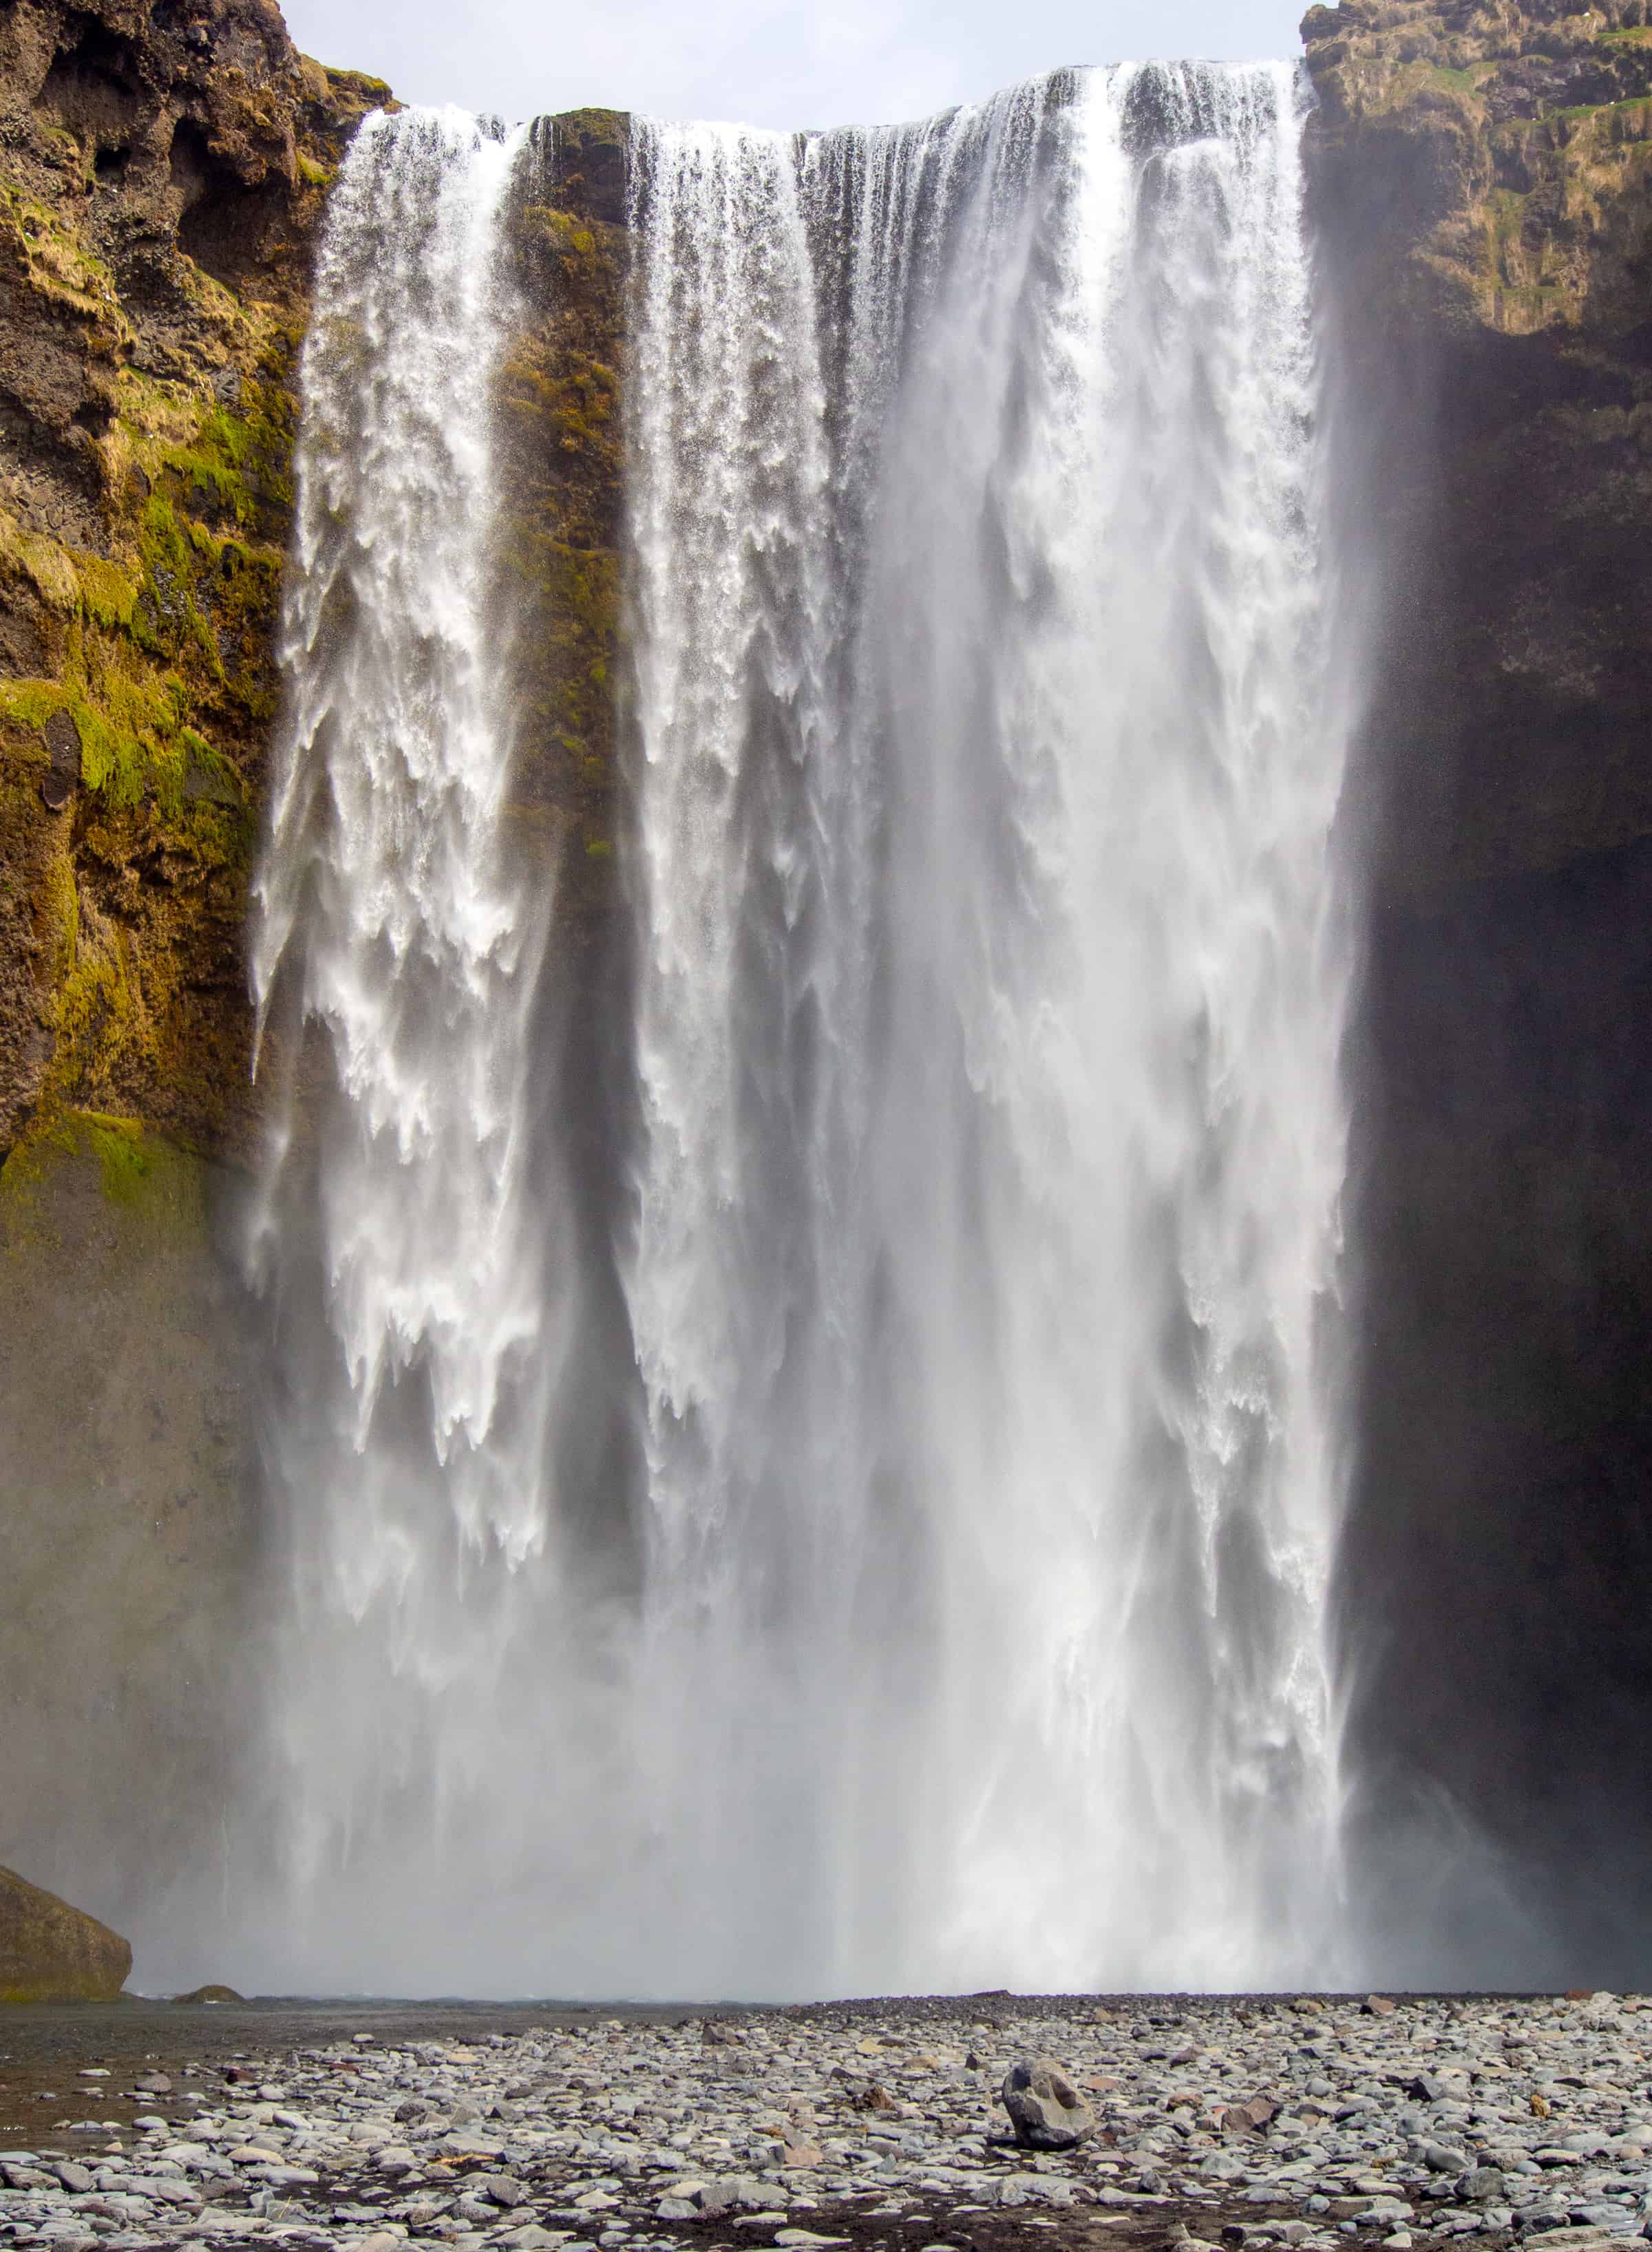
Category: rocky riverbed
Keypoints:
(1307, 2123)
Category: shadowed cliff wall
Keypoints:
(1481, 179)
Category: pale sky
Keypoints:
(764, 62)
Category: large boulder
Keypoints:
(1046, 2110)
(51, 1952)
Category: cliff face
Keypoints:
(161, 176)
(1482, 180)
(162, 171)
(1483, 177)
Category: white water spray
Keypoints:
(967, 1623)
(987, 1031)
(406, 1437)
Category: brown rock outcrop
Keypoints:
(162, 172)
(1482, 175)
(51, 1952)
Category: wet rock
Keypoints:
(870, 2096)
(61, 739)
(211, 1994)
(635, 2134)
(1258, 2112)
(51, 1952)
(1045, 2108)
(499, 2189)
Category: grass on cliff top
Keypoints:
(1469, 80)
(59, 266)
(1638, 106)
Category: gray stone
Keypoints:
(168, 2191)
(1045, 2108)
(501, 2189)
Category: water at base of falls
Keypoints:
(964, 1623)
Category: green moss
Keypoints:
(138, 1171)
(58, 264)
(30, 704)
(107, 595)
(45, 563)
(1468, 80)
(124, 1165)
(161, 650)
(1639, 105)
(359, 83)
(607, 127)
(237, 463)
(1522, 309)
(598, 848)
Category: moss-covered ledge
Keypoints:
(562, 440)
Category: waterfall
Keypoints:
(987, 1031)
(392, 1232)
(982, 1203)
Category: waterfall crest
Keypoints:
(984, 1189)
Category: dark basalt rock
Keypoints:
(1481, 178)
(62, 740)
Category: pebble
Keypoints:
(1308, 2124)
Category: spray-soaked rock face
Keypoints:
(1481, 180)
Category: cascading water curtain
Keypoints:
(991, 995)
(966, 1623)
(415, 1343)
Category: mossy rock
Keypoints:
(51, 1952)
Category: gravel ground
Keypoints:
(1306, 2123)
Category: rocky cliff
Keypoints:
(161, 175)
(1482, 182)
